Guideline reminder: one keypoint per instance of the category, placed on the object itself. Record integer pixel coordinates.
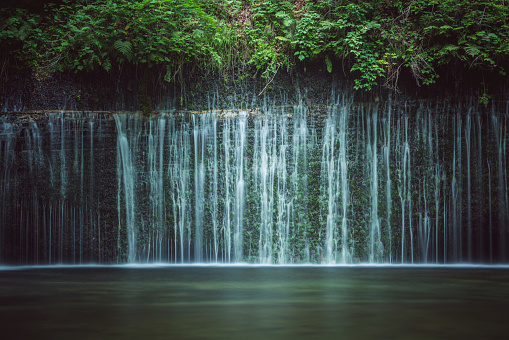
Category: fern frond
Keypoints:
(124, 47)
(472, 50)
(106, 65)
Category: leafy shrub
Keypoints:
(377, 39)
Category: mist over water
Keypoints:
(338, 184)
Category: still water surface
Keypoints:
(202, 302)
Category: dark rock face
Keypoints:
(120, 90)
(310, 84)
(58, 189)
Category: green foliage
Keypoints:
(84, 37)
(376, 39)
(269, 35)
(380, 38)
(485, 99)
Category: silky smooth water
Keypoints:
(338, 184)
(254, 302)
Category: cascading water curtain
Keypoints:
(57, 189)
(344, 183)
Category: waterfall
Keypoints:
(214, 196)
(299, 184)
(336, 184)
(345, 194)
(457, 189)
(240, 143)
(284, 202)
(386, 150)
(330, 175)
(128, 179)
(265, 166)
(468, 130)
(157, 133)
(179, 174)
(227, 223)
(376, 246)
(200, 131)
(500, 127)
(404, 187)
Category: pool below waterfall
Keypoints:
(254, 302)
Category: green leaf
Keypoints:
(328, 63)
(451, 47)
